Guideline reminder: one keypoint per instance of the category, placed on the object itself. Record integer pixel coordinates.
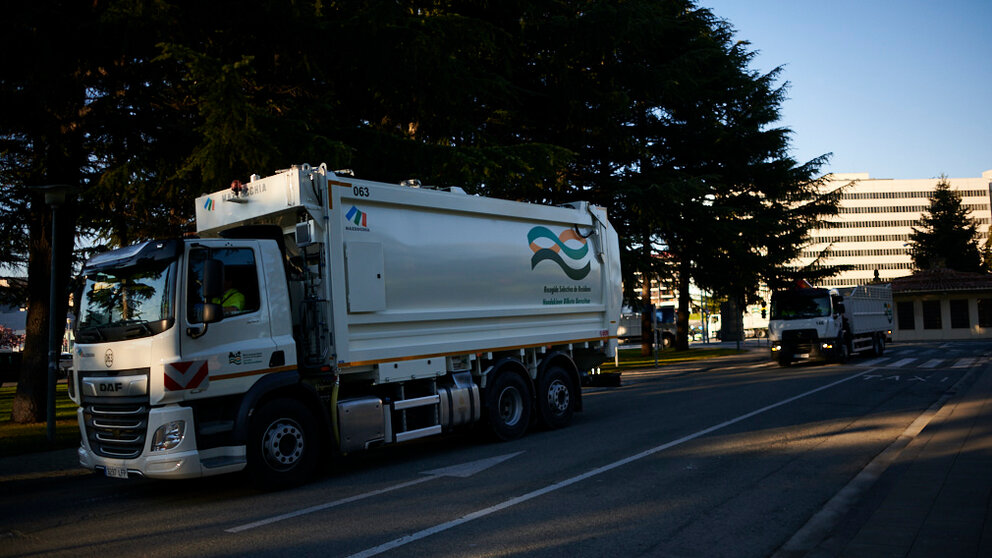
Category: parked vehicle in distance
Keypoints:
(666, 319)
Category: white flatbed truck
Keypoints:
(829, 324)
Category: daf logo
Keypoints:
(108, 358)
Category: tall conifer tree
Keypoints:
(947, 236)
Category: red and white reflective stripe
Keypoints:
(186, 375)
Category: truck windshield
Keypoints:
(127, 303)
(797, 305)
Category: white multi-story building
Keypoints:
(876, 217)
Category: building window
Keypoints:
(985, 312)
(960, 319)
(931, 314)
(906, 318)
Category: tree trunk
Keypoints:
(29, 400)
(32, 385)
(682, 325)
(647, 332)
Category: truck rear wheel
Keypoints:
(878, 346)
(283, 444)
(555, 398)
(508, 405)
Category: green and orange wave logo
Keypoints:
(553, 247)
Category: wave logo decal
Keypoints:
(357, 216)
(555, 247)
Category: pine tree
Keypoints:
(947, 236)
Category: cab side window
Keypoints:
(239, 294)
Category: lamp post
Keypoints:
(55, 196)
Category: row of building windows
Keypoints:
(932, 319)
(897, 195)
(846, 253)
(905, 208)
(896, 223)
(871, 238)
(849, 282)
(872, 267)
(863, 238)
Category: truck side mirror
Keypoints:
(213, 279)
(211, 288)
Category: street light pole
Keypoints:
(55, 195)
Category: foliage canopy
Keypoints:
(647, 107)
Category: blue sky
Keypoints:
(897, 89)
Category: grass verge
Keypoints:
(17, 439)
(631, 359)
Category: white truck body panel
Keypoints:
(868, 308)
(428, 273)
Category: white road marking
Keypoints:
(462, 470)
(406, 539)
(900, 363)
(932, 363)
(875, 362)
(964, 362)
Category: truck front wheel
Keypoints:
(555, 398)
(508, 405)
(842, 350)
(282, 445)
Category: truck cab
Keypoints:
(806, 324)
(144, 364)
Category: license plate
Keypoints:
(802, 355)
(116, 471)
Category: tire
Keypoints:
(283, 444)
(555, 398)
(842, 351)
(508, 405)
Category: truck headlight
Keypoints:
(169, 435)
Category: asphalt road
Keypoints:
(727, 457)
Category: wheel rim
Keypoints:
(558, 397)
(511, 405)
(283, 444)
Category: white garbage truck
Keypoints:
(314, 311)
(829, 324)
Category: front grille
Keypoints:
(116, 429)
(800, 335)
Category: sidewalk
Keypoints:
(936, 498)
